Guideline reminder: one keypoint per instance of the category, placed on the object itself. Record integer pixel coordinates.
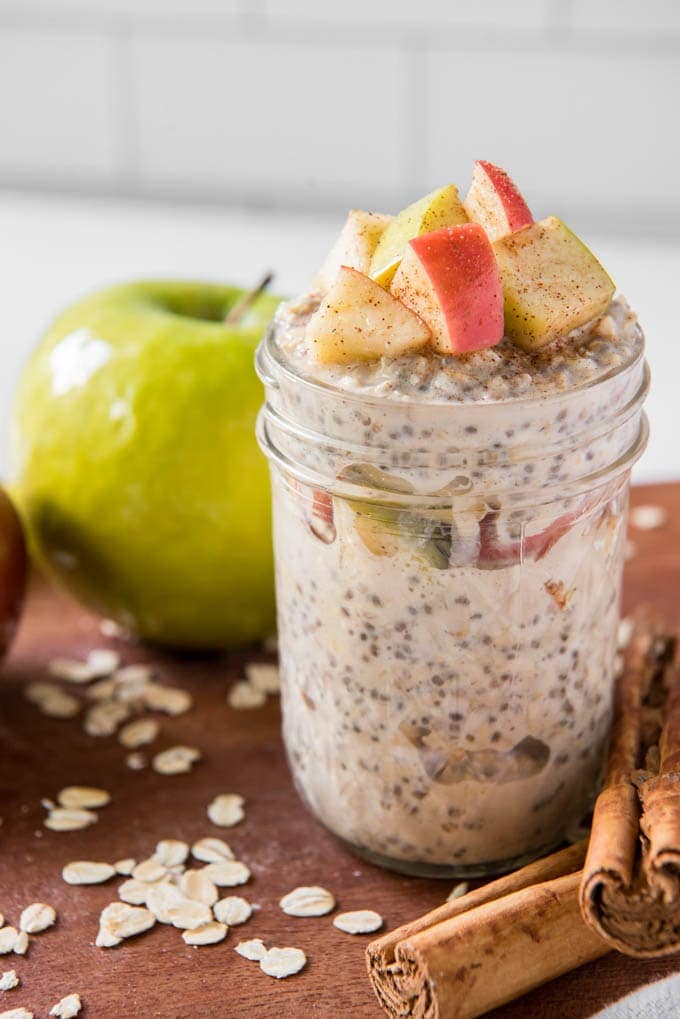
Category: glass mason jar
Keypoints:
(448, 582)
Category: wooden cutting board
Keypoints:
(156, 974)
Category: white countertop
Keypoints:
(55, 249)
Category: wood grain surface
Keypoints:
(156, 974)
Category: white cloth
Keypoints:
(660, 1000)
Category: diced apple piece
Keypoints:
(440, 208)
(359, 321)
(552, 283)
(355, 246)
(494, 201)
(450, 278)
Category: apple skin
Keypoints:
(495, 202)
(13, 569)
(495, 555)
(450, 279)
(135, 466)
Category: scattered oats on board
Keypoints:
(102, 690)
(78, 796)
(16, 1013)
(197, 885)
(187, 914)
(134, 892)
(138, 675)
(458, 891)
(9, 980)
(648, 518)
(51, 700)
(358, 921)
(71, 670)
(242, 696)
(67, 819)
(227, 874)
(87, 872)
(136, 761)
(233, 910)
(37, 917)
(171, 852)
(21, 943)
(68, 1007)
(102, 661)
(125, 866)
(263, 676)
(211, 850)
(169, 699)
(253, 949)
(176, 760)
(138, 733)
(282, 962)
(118, 921)
(8, 937)
(307, 901)
(226, 810)
(149, 871)
(207, 934)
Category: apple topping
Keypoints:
(354, 246)
(552, 283)
(494, 201)
(359, 321)
(440, 208)
(450, 278)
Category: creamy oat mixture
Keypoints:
(448, 579)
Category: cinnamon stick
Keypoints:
(487, 947)
(630, 892)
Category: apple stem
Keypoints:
(238, 310)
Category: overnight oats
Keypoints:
(451, 418)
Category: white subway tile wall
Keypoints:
(308, 103)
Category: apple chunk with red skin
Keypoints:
(494, 553)
(450, 278)
(495, 202)
(360, 321)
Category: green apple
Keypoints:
(135, 466)
(12, 570)
(440, 208)
(552, 283)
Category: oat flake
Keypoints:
(126, 866)
(104, 718)
(52, 701)
(78, 796)
(139, 733)
(138, 675)
(68, 1007)
(119, 921)
(21, 944)
(37, 917)
(9, 980)
(171, 852)
(263, 676)
(87, 872)
(211, 850)
(71, 670)
(648, 518)
(227, 874)
(253, 949)
(226, 810)
(150, 870)
(169, 699)
(233, 910)
(16, 1013)
(189, 914)
(8, 937)
(242, 696)
(176, 760)
(103, 661)
(207, 934)
(282, 962)
(136, 761)
(458, 891)
(307, 901)
(66, 819)
(134, 892)
(196, 884)
(360, 921)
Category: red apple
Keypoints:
(450, 279)
(496, 553)
(495, 202)
(12, 569)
